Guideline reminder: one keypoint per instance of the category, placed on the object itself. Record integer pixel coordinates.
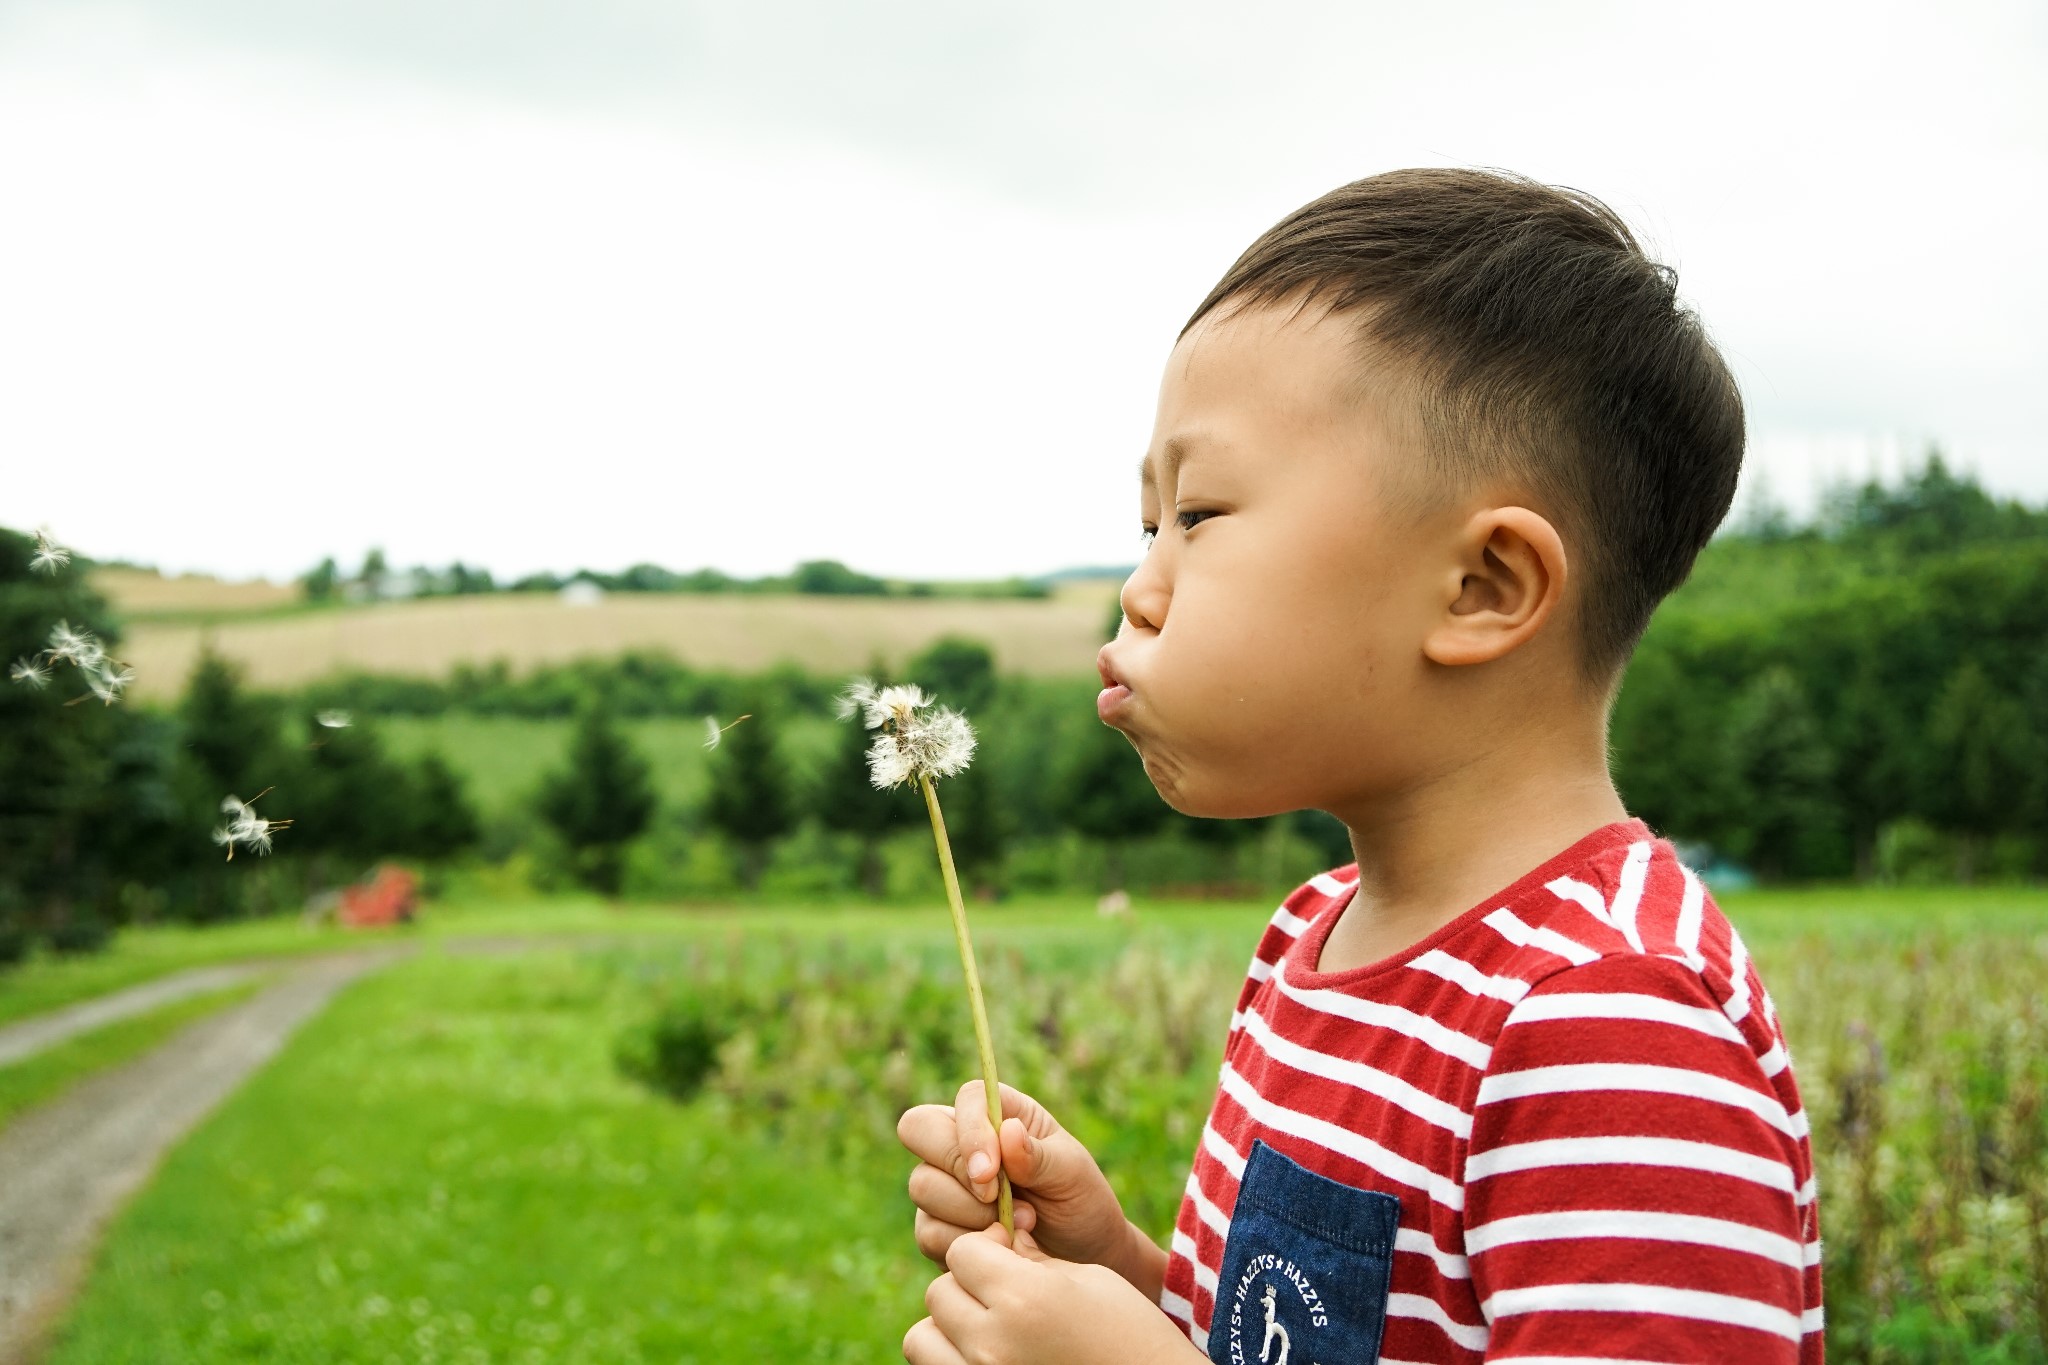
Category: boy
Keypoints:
(1507, 1088)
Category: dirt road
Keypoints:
(29, 1036)
(66, 1167)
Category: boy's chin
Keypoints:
(1210, 800)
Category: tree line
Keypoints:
(1861, 696)
(377, 579)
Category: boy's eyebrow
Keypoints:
(1175, 449)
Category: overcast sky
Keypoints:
(560, 283)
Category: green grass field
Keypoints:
(452, 1163)
(504, 757)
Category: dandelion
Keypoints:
(31, 670)
(245, 826)
(108, 679)
(714, 732)
(49, 556)
(334, 720)
(919, 746)
(911, 746)
(80, 647)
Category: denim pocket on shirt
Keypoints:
(1305, 1269)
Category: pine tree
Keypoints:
(229, 736)
(1782, 773)
(845, 799)
(750, 800)
(1980, 778)
(1106, 795)
(601, 800)
(959, 672)
(977, 825)
(446, 822)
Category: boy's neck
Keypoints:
(1429, 853)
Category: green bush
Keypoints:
(81, 934)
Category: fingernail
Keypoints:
(978, 1166)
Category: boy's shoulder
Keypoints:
(1618, 913)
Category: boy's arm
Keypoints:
(1635, 1185)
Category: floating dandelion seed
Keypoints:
(108, 679)
(49, 556)
(919, 746)
(335, 720)
(714, 732)
(80, 647)
(245, 826)
(32, 671)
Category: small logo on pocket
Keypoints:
(1275, 1344)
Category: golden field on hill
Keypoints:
(1053, 636)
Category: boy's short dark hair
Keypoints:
(1543, 345)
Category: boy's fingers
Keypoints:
(1031, 1161)
(940, 1195)
(925, 1344)
(931, 1134)
(982, 1261)
(975, 1140)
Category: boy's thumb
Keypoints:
(1031, 1162)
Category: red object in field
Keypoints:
(389, 897)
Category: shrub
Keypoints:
(82, 934)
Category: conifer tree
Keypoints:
(845, 799)
(1106, 795)
(750, 801)
(601, 800)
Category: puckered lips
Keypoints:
(1115, 693)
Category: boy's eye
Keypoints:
(1189, 520)
(1147, 535)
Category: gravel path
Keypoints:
(67, 1166)
(29, 1036)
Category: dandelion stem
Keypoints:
(983, 1040)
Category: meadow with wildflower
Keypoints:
(679, 1145)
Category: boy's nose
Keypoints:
(1144, 597)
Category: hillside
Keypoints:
(1055, 636)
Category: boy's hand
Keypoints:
(1063, 1201)
(997, 1306)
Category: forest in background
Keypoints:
(1864, 695)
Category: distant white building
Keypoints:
(581, 592)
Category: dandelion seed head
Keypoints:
(889, 763)
(32, 671)
(49, 556)
(914, 742)
(334, 719)
(856, 699)
(878, 706)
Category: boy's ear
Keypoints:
(1507, 577)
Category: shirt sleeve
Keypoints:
(1636, 1188)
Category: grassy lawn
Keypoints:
(451, 1164)
(504, 757)
(34, 1079)
(447, 1166)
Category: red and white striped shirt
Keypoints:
(1580, 1096)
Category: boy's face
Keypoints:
(1272, 636)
